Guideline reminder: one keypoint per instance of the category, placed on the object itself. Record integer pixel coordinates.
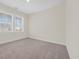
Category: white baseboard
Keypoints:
(32, 37)
(39, 38)
(11, 40)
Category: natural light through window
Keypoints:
(11, 23)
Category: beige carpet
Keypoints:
(32, 49)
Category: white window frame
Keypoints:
(14, 15)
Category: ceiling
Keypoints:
(32, 6)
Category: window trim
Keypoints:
(14, 15)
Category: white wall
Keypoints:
(72, 28)
(48, 25)
(9, 36)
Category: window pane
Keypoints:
(18, 24)
(5, 22)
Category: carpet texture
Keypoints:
(32, 49)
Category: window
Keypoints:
(18, 24)
(10, 23)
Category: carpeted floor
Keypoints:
(32, 49)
